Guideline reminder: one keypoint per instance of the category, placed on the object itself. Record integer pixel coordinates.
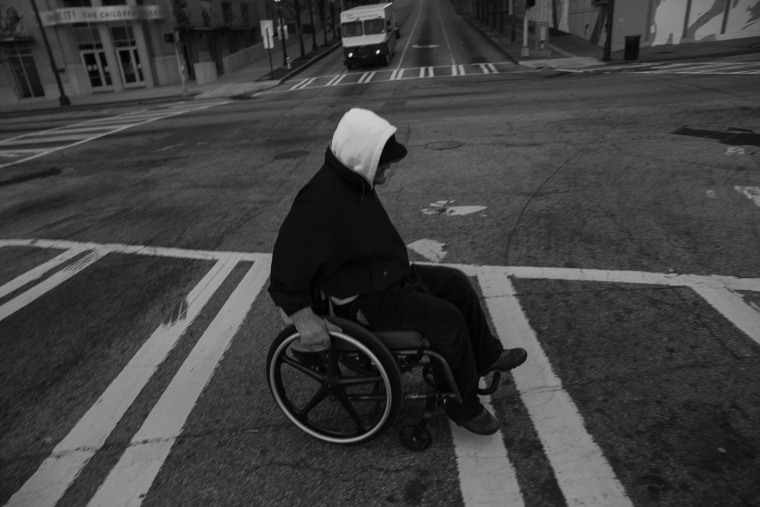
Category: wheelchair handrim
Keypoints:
(327, 438)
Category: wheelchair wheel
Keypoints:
(347, 394)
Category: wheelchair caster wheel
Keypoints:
(415, 438)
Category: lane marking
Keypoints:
(751, 193)
(63, 466)
(409, 37)
(486, 475)
(337, 79)
(445, 35)
(23, 299)
(582, 472)
(732, 306)
(132, 477)
(38, 271)
(366, 77)
(118, 127)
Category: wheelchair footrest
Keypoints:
(494, 385)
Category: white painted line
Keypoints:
(428, 248)
(483, 68)
(366, 77)
(583, 474)
(751, 193)
(33, 274)
(733, 307)
(49, 284)
(423, 70)
(137, 249)
(461, 70)
(132, 477)
(486, 476)
(454, 70)
(98, 136)
(336, 79)
(409, 37)
(492, 68)
(42, 140)
(61, 468)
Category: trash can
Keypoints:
(632, 47)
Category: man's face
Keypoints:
(383, 174)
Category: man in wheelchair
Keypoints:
(338, 239)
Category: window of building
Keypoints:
(24, 71)
(245, 15)
(227, 13)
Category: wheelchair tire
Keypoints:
(347, 394)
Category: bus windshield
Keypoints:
(352, 29)
(374, 26)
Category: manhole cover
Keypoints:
(291, 154)
(443, 145)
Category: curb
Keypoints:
(309, 63)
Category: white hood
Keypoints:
(359, 140)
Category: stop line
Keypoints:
(25, 147)
(724, 67)
(486, 473)
(456, 70)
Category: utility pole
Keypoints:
(63, 100)
(608, 40)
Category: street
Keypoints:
(610, 222)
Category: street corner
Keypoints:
(565, 62)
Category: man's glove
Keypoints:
(314, 330)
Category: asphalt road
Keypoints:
(619, 248)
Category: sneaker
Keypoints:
(509, 359)
(482, 424)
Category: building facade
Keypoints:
(108, 46)
(657, 22)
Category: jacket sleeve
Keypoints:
(304, 247)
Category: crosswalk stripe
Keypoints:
(366, 77)
(336, 80)
(49, 284)
(582, 472)
(132, 477)
(38, 272)
(486, 476)
(61, 468)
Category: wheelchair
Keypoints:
(352, 391)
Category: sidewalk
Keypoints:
(570, 51)
(250, 79)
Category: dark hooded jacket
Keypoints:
(337, 237)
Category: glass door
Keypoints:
(96, 65)
(131, 69)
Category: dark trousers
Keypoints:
(441, 304)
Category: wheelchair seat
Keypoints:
(395, 340)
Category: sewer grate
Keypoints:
(443, 145)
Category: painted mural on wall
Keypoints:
(11, 23)
(676, 21)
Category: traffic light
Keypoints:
(530, 3)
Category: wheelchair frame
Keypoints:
(359, 357)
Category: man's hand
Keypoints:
(314, 330)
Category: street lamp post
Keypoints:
(282, 34)
(606, 54)
(63, 100)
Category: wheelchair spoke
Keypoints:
(303, 369)
(320, 395)
(344, 401)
